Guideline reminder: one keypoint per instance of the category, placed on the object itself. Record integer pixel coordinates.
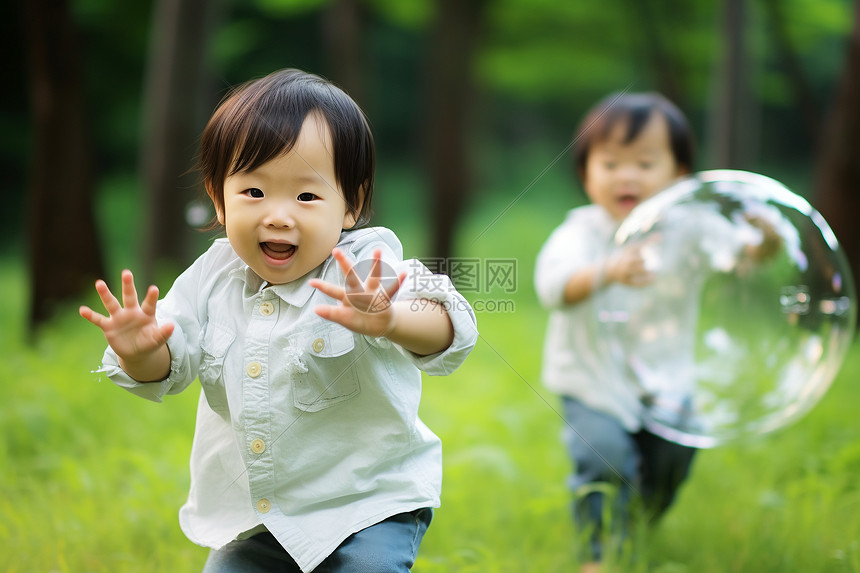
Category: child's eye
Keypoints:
(646, 164)
(254, 192)
(307, 197)
(609, 165)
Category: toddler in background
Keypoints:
(628, 148)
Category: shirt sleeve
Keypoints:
(420, 286)
(569, 248)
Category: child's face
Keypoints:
(619, 176)
(285, 217)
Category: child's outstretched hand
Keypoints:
(132, 331)
(366, 307)
(771, 240)
(628, 267)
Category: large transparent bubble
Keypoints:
(748, 314)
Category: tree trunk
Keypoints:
(173, 120)
(342, 24)
(837, 186)
(803, 92)
(733, 134)
(64, 255)
(450, 85)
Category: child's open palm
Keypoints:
(366, 306)
(130, 328)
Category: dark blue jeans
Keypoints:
(611, 463)
(387, 547)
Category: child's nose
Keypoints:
(280, 215)
(628, 173)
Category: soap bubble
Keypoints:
(748, 314)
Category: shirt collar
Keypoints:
(296, 293)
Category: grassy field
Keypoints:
(93, 477)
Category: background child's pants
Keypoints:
(644, 467)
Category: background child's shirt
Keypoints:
(579, 358)
(303, 426)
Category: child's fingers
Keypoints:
(373, 278)
(150, 300)
(109, 301)
(92, 316)
(352, 281)
(329, 289)
(333, 313)
(129, 293)
(641, 280)
(341, 259)
(392, 290)
(165, 330)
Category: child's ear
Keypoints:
(350, 218)
(219, 205)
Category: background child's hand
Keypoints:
(130, 328)
(366, 306)
(628, 267)
(771, 240)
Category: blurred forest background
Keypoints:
(471, 103)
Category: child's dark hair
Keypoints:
(261, 120)
(636, 108)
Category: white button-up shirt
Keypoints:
(303, 426)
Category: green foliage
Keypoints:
(539, 65)
(412, 15)
(281, 8)
(576, 50)
(92, 480)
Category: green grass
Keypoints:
(93, 477)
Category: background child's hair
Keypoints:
(261, 120)
(636, 109)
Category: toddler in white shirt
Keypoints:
(308, 452)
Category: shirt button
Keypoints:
(263, 506)
(254, 369)
(258, 446)
(267, 308)
(318, 345)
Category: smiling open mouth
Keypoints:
(628, 201)
(278, 251)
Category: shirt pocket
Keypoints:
(214, 343)
(331, 375)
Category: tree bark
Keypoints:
(449, 74)
(64, 256)
(342, 24)
(173, 120)
(797, 79)
(837, 185)
(733, 133)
